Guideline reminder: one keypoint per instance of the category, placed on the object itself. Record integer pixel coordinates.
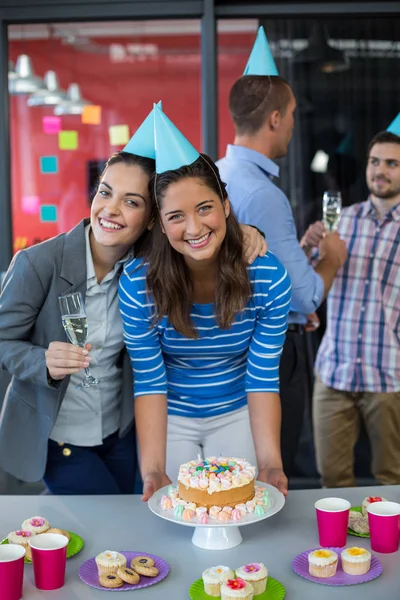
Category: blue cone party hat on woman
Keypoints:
(261, 61)
(173, 150)
(394, 126)
(142, 141)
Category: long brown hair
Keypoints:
(168, 277)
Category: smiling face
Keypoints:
(383, 171)
(193, 218)
(121, 207)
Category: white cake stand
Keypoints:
(213, 535)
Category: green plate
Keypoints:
(274, 591)
(75, 545)
(351, 531)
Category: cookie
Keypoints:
(110, 581)
(128, 575)
(146, 571)
(144, 561)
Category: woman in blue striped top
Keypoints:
(204, 333)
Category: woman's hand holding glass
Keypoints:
(64, 359)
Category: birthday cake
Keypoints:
(217, 482)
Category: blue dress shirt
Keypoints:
(256, 200)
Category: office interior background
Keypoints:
(341, 59)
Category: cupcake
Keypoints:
(59, 531)
(36, 525)
(370, 500)
(214, 577)
(236, 588)
(256, 574)
(109, 562)
(355, 561)
(322, 563)
(22, 537)
(358, 522)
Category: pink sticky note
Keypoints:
(51, 124)
(30, 205)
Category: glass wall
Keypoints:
(109, 75)
(345, 94)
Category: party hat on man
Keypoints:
(172, 149)
(261, 61)
(394, 126)
(142, 141)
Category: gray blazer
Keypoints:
(29, 320)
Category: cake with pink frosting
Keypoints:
(217, 482)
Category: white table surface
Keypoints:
(126, 523)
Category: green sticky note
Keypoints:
(68, 140)
(48, 213)
(48, 164)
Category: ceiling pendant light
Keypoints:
(26, 82)
(319, 51)
(49, 96)
(74, 103)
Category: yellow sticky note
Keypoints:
(68, 140)
(91, 115)
(119, 135)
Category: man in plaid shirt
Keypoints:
(358, 362)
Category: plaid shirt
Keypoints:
(360, 350)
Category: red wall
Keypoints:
(126, 92)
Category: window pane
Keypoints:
(121, 67)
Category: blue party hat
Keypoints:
(394, 126)
(173, 150)
(142, 141)
(261, 61)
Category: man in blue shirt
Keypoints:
(262, 109)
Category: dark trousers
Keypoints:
(293, 392)
(106, 469)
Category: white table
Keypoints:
(125, 523)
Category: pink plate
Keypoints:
(300, 566)
(88, 573)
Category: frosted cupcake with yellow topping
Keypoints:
(322, 563)
(214, 577)
(109, 562)
(256, 574)
(355, 561)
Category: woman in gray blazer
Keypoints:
(79, 441)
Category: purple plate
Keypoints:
(89, 574)
(300, 566)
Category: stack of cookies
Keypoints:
(114, 572)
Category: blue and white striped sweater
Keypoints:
(212, 374)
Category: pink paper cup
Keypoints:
(49, 559)
(11, 571)
(333, 521)
(384, 522)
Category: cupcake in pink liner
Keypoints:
(36, 525)
(256, 574)
(236, 588)
(166, 503)
(236, 515)
(214, 510)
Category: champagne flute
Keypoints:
(331, 207)
(73, 316)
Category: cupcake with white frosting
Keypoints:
(322, 563)
(22, 538)
(109, 562)
(36, 525)
(256, 574)
(355, 561)
(236, 588)
(214, 577)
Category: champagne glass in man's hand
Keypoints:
(73, 315)
(331, 207)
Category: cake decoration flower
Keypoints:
(251, 568)
(39, 522)
(236, 584)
